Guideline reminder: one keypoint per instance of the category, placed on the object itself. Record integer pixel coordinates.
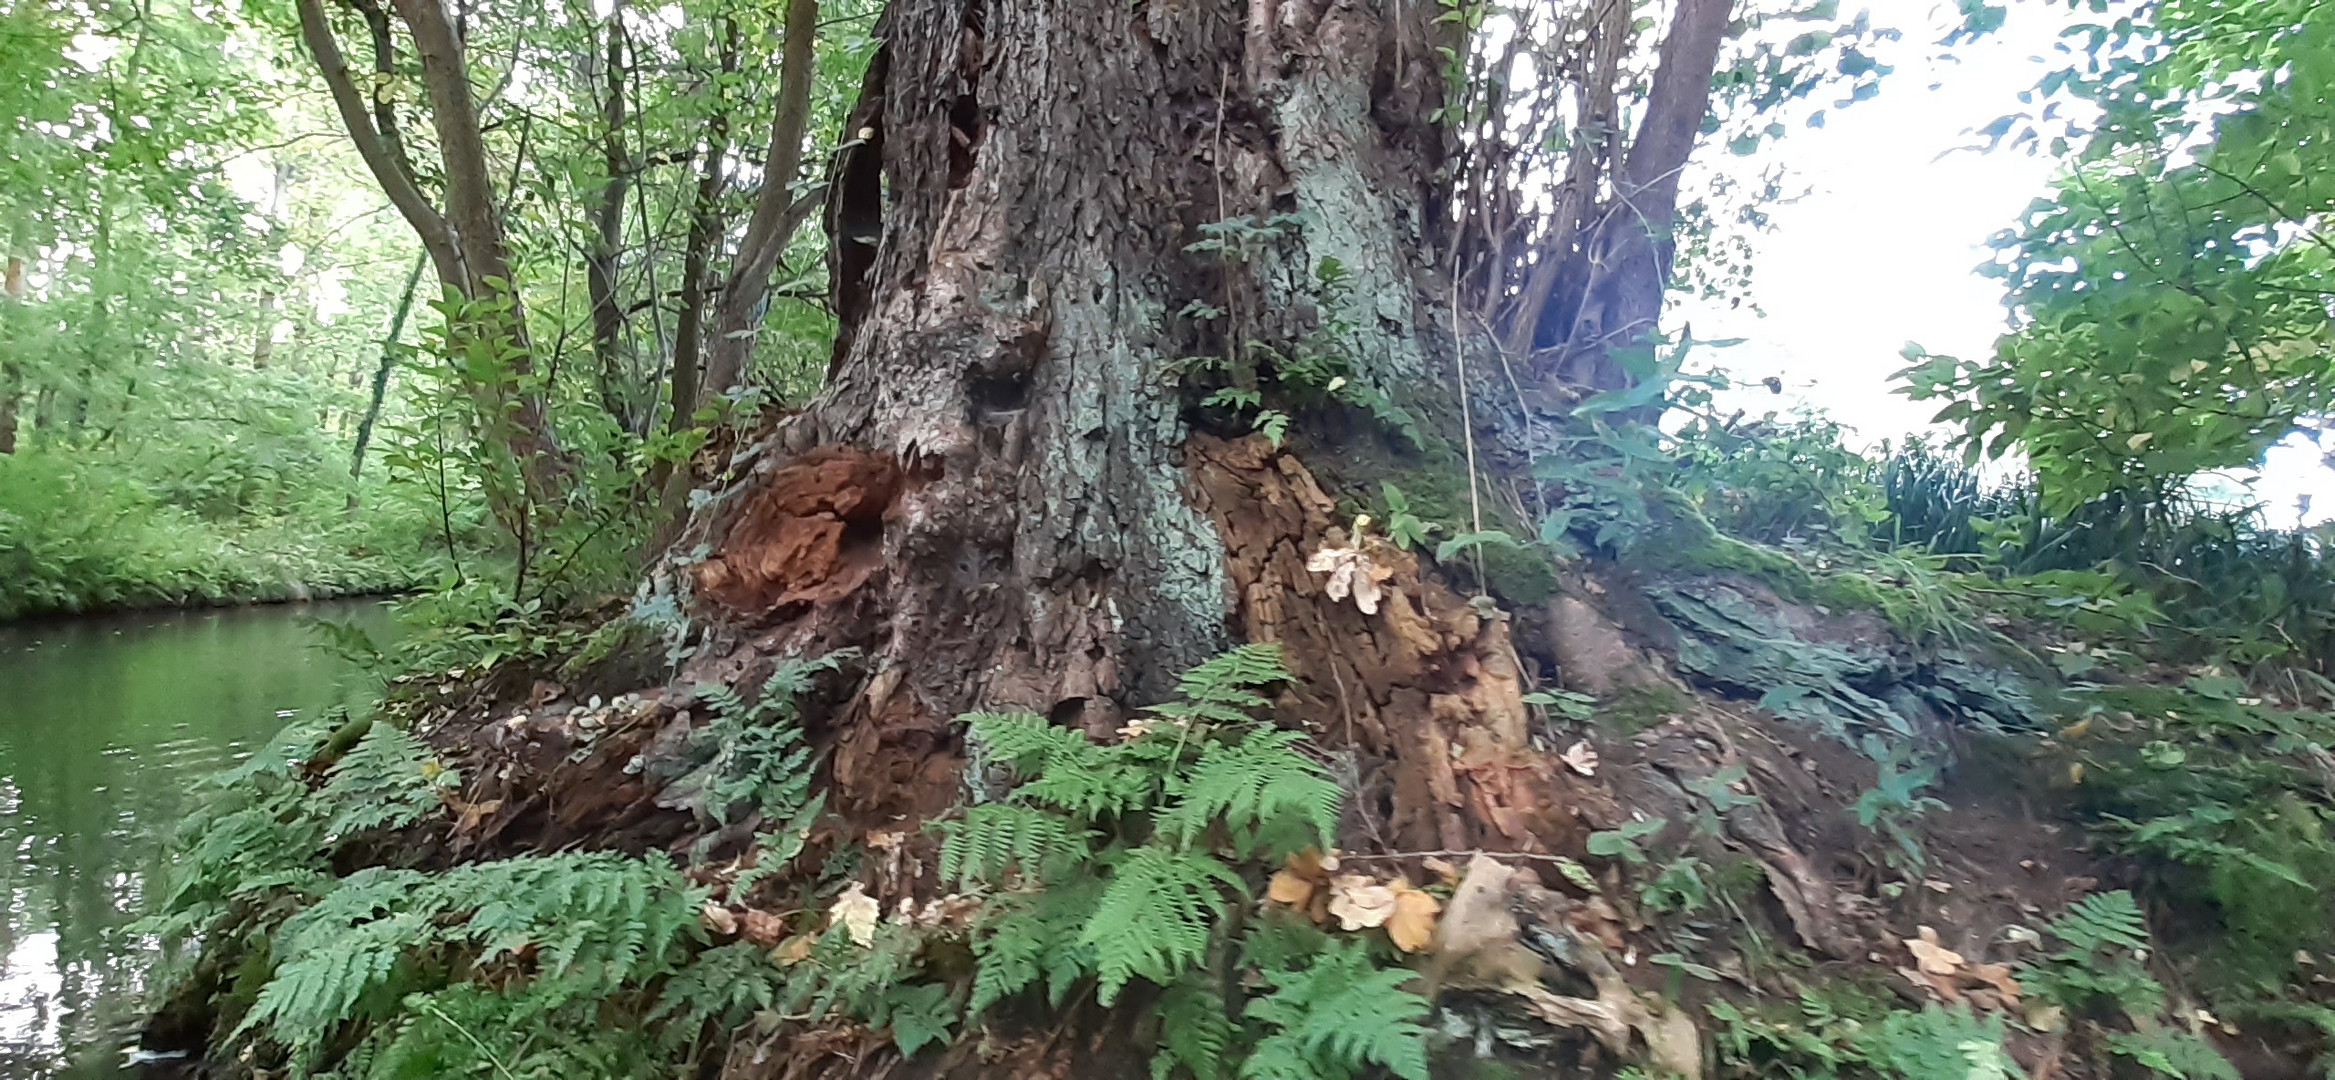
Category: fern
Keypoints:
(2102, 921)
(1063, 769)
(1155, 916)
(1335, 1017)
(727, 984)
(1253, 784)
(1223, 690)
(754, 755)
(2177, 1054)
(389, 780)
(1023, 937)
(996, 837)
(2102, 939)
(593, 922)
(774, 850)
(1938, 1044)
(1194, 1030)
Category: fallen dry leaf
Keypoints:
(1359, 902)
(1582, 758)
(1998, 977)
(1935, 959)
(856, 912)
(793, 950)
(1351, 572)
(762, 928)
(469, 815)
(1412, 925)
(1941, 987)
(718, 919)
(1441, 868)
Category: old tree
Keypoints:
(1143, 312)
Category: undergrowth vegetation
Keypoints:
(2169, 694)
(1098, 869)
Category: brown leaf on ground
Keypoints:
(718, 919)
(1940, 987)
(762, 928)
(1933, 958)
(793, 950)
(1998, 978)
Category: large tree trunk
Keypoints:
(1000, 493)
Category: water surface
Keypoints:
(105, 725)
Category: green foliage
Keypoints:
(1841, 1032)
(1893, 805)
(2170, 294)
(2099, 965)
(2176, 1054)
(1789, 482)
(85, 535)
(578, 927)
(1116, 863)
(388, 780)
(753, 756)
(1335, 1016)
(2220, 794)
(1274, 379)
(1622, 842)
(1195, 1032)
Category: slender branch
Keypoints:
(388, 167)
(777, 214)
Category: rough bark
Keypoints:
(380, 383)
(1000, 495)
(11, 378)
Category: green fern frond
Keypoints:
(1223, 689)
(1235, 676)
(1030, 742)
(782, 693)
(2102, 920)
(725, 984)
(599, 922)
(1252, 786)
(2176, 1054)
(389, 780)
(726, 703)
(1023, 937)
(1937, 1044)
(1156, 915)
(1336, 1017)
(1194, 1030)
(999, 836)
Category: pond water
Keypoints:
(105, 725)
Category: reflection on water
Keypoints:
(105, 723)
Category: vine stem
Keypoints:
(1467, 422)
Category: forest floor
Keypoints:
(1735, 831)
